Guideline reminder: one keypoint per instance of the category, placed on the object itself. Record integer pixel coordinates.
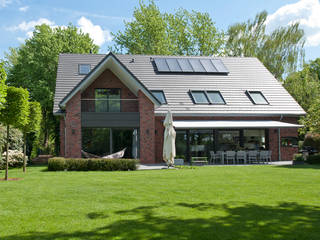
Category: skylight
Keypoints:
(199, 97)
(215, 97)
(159, 94)
(84, 69)
(207, 97)
(257, 97)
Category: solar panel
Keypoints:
(173, 65)
(219, 66)
(197, 66)
(162, 65)
(185, 65)
(208, 65)
(190, 65)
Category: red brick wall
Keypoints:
(108, 80)
(286, 152)
(147, 129)
(62, 133)
(73, 127)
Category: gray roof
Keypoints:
(244, 74)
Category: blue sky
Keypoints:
(100, 17)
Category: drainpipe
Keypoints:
(279, 140)
(65, 136)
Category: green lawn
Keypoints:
(230, 202)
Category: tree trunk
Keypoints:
(7, 154)
(24, 152)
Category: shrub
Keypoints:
(312, 140)
(15, 159)
(91, 164)
(15, 138)
(298, 157)
(313, 159)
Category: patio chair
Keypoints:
(242, 156)
(220, 156)
(252, 156)
(264, 156)
(230, 156)
(269, 155)
(215, 157)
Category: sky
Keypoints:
(101, 17)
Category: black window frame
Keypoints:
(81, 64)
(289, 138)
(164, 96)
(248, 93)
(207, 97)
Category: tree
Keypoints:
(15, 113)
(181, 33)
(34, 122)
(34, 66)
(281, 51)
(3, 87)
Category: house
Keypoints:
(108, 102)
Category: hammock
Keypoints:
(119, 154)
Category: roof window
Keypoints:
(207, 97)
(84, 69)
(159, 94)
(257, 97)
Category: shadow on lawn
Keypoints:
(304, 166)
(238, 221)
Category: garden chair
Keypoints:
(252, 156)
(242, 156)
(230, 156)
(264, 156)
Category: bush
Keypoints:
(91, 164)
(313, 159)
(298, 157)
(15, 159)
(312, 140)
(15, 138)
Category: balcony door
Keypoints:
(107, 100)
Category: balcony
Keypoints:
(110, 113)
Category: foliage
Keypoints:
(313, 159)
(3, 86)
(15, 159)
(34, 118)
(312, 140)
(91, 164)
(281, 51)
(298, 157)
(34, 66)
(15, 138)
(180, 33)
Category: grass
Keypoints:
(224, 202)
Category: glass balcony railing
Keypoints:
(109, 105)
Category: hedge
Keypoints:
(313, 159)
(91, 164)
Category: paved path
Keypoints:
(163, 166)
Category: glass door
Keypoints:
(201, 143)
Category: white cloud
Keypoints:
(4, 3)
(27, 26)
(24, 9)
(306, 12)
(98, 35)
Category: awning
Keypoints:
(233, 124)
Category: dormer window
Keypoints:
(257, 97)
(159, 94)
(84, 69)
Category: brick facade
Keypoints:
(62, 137)
(147, 129)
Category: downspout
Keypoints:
(279, 139)
(65, 136)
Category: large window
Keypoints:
(107, 100)
(228, 140)
(254, 139)
(201, 143)
(289, 142)
(181, 144)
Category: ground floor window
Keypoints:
(199, 142)
(104, 141)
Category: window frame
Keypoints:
(81, 64)
(248, 93)
(164, 96)
(288, 138)
(207, 97)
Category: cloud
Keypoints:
(98, 35)
(4, 3)
(24, 9)
(27, 26)
(306, 12)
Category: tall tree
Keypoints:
(180, 33)
(34, 66)
(281, 51)
(15, 113)
(33, 126)
(3, 87)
